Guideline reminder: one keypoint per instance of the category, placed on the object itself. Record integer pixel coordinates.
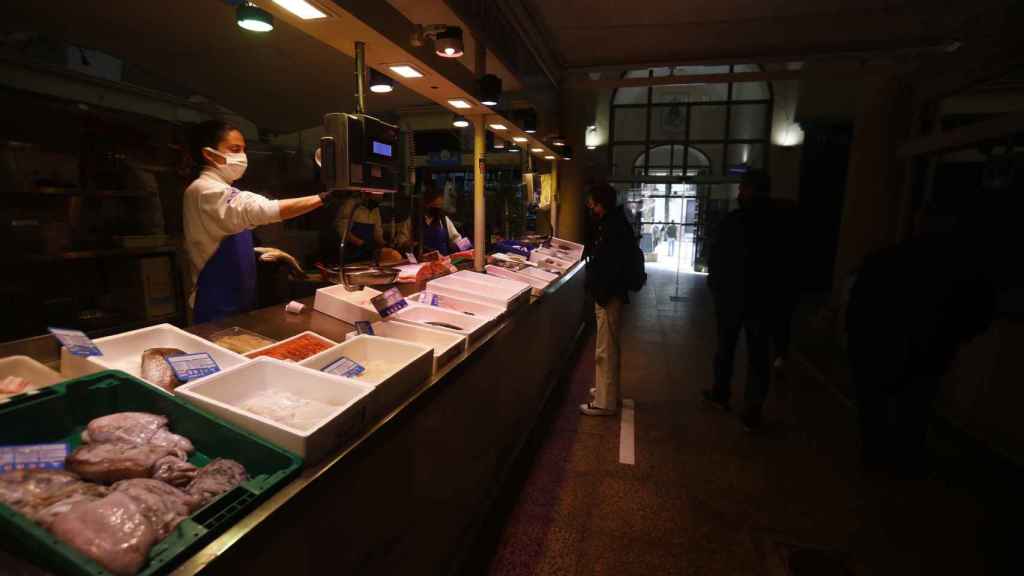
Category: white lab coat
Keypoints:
(213, 210)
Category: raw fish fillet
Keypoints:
(163, 505)
(113, 461)
(155, 368)
(114, 531)
(174, 471)
(216, 478)
(12, 385)
(136, 428)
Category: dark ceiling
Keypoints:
(282, 81)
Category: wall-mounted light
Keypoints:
(406, 71)
(489, 90)
(253, 18)
(789, 135)
(379, 83)
(592, 139)
(460, 104)
(460, 122)
(301, 8)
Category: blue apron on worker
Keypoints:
(364, 232)
(227, 283)
(435, 237)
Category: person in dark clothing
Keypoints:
(788, 257)
(745, 288)
(611, 241)
(908, 313)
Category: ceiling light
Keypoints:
(536, 150)
(406, 71)
(460, 122)
(556, 141)
(499, 144)
(448, 42)
(379, 83)
(459, 103)
(591, 147)
(489, 90)
(514, 148)
(253, 18)
(498, 126)
(520, 138)
(528, 120)
(549, 157)
(567, 153)
(301, 8)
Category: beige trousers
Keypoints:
(609, 324)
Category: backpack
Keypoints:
(637, 272)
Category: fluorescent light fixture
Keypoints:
(301, 8)
(530, 131)
(536, 150)
(549, 157)
(459, 103)
(498, 126)
(406, 71)
(520, 138)
(591, 147)
(499, 144)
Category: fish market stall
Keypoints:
(401, 471)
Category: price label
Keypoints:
(430, 299)
(389, 302)
(189, 367)
(33, 456)
(76, 342)
(345, 367)
(364, 327)
(463, 244)
(411, 258)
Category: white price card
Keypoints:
(76, 342)
(346, 367)
(389, 302)
(463, 244)
(188, 367)
(430, 299)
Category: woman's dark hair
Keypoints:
(606, 196)
(208, 133)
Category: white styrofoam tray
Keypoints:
(572, 248)
(401, 368)
(549, 259)
(38, 375)
(223, 394)
(472, 328)
(258, 352)
(446, 345)
(347, 306)
(473, 286)
(465, 306)
(124, 351)
(537, 279)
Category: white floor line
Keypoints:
(627, 433)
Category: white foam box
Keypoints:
(550, 259)
(124, 352)
(469, 327)
(37, 373)
(465, 306)
(223, 394)
(446, 345)
(394, 369)
(537, 279)
(574, 250)
(466, 285)
(347, 306)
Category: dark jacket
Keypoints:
(743, 266)
(608, 252)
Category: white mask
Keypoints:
(234, 164)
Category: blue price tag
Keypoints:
(33, 456)
(430, 299)
(188, 367)
(389, 302)
(76, 342)
(346, 367)
(364, 327)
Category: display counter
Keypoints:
(408, 493)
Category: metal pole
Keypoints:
(360, 78)
(554, 197)
(479, 200)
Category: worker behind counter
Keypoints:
(438, 231)
(218, 223)
(367, 233)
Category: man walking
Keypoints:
(608, 269)
(745, 289)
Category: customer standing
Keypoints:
(608, 272)
(746, 290)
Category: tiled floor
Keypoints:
(705, 497)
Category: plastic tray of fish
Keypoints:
(498, 292)
(461, 305)
(447, 345)
(59, 414)
(440, 319)
(23, 375)
(126, 352)
(304, 410)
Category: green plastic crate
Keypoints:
(61, 412)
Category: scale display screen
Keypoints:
(381, 148)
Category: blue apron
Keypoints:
(364, 232)
(435, 237)
(227, 284)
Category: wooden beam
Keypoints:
(694, 79)
(987, 130)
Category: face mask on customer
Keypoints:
(234, 164)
